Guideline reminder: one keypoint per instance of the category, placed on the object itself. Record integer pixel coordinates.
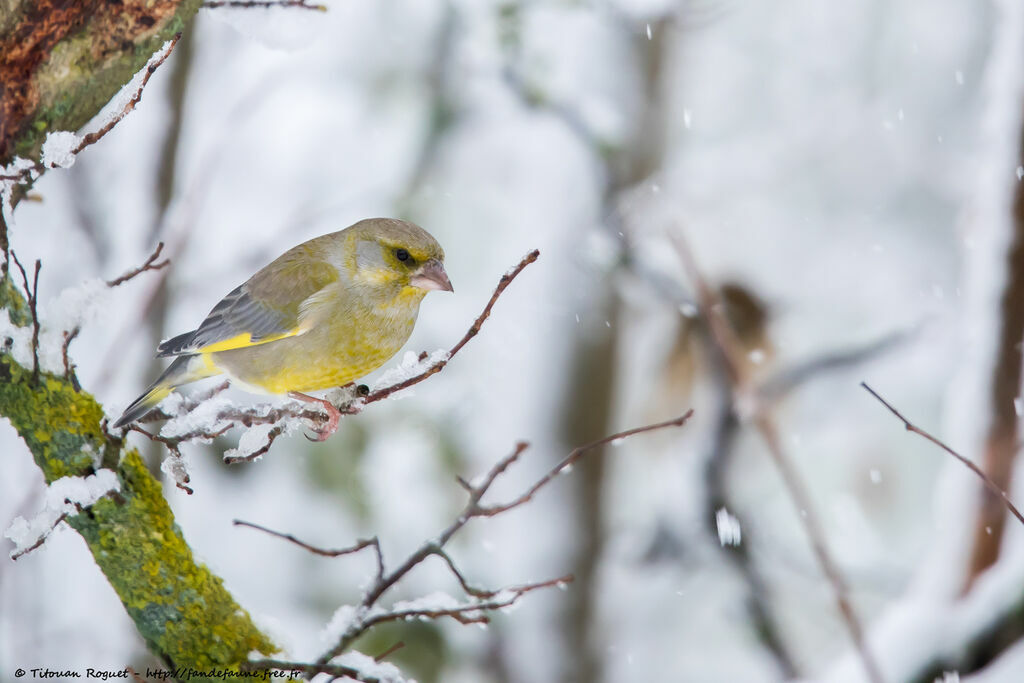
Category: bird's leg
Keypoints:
(333, 414)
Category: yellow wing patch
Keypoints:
(245, 340)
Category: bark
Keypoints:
(590, 397)
(1001, 441)
(588, 413)
(61, 62)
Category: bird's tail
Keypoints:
(183, 370)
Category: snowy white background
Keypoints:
(850, 163)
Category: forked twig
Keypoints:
(149, 264)
(482, 601)
(911, 427)
(32, 295)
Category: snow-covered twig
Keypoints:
(41, 538)
(749, 403)
(66, 156)
(65, 497)
(911, 427)
(150, 263)
(481, 602)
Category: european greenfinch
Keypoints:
(319, 316)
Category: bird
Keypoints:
(321, 315)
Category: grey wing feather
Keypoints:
(237, 313)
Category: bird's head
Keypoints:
(396, 256)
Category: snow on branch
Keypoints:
(199, 419)
(65, 497)
(476, 607)
(911, 427)
(61, 147)
(750, 406)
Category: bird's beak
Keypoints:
(431, 275)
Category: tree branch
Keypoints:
(149, 264)
(32, 295)
(473, 330)
(359, 545)
(749, 405)
(911, 427)
(482, 601)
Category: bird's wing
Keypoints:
(273, 304)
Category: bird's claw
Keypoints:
(333, 416)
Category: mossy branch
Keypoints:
(181, 609)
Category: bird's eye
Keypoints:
(401, 254)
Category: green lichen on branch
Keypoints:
(13, 302)
(180, 608)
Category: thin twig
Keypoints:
(474, 329)
(482, 602)
(265, 4)
(150, 264)
(363, 543)
(32, 294)
(911, 427)
(388, 652)
(39, 541)
(69, 367)
(575, 455)
(485, 600)
(727, 344)
(96, 136)
(473, 612)
(275, 432)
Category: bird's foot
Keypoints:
(333, 415)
